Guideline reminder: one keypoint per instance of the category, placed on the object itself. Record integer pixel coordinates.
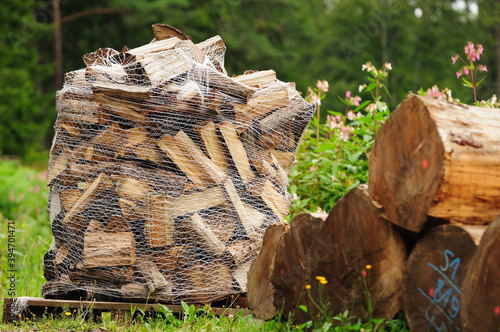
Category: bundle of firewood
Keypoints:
(433, 192)
(164, 172)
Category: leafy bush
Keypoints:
(333, 156)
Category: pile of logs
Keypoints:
(413, 238)
(165, 172)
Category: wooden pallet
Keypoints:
(37, 307)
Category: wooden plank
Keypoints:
(237, 151)
(31, 303)
(99, 185)
(108, 249)
(195, 202)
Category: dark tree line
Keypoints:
(302, 41)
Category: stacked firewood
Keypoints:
(165, 172)
(433, 191)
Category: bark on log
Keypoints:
(434, 276)
(480, 300)
(291, 258)
(439, 159)
(355, 241)
(261, 291)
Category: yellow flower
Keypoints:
(308, 286)
(297, 327)
(68, 314)
(368, 267)
(323, 282)
(319, 278)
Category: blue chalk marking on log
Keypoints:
(445, 277)
(440, 309)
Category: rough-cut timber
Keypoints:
(434, 277)
(353, 242)
(439, 159)
(480, 300)
(261, 291)
(290, 273)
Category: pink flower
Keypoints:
(466, 71)
(350, 115)
(482, 68)
(348, 94)
(459, 74)
(322, 85)
(356, 100)
(453, 59)
(43, 176)
(311, 169)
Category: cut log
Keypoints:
(199, 56)
(237, 151)
(159, 228)
(132, 189)
(159, 46)
(122, 90)
(214, 147)
(480, 299)
(261, 291)
(258, 79)
(99, 185)
(185, 163)
(206, 282)
(115, 275)
(250, 223)
(116, 106)
(208, 166)
(289, 269)
(355, 241)
(277, 203)
(220, 81)
(262, 102)
(148, 272)
(80, 111)
(439, 159)
(104, 74)
(108, 249)
(58, 165)
(434, 275)
(203, 235)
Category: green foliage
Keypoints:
(23, 205)
(333, 157)
(24, 108)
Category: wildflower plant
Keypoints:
(469, 70)
(333, 156)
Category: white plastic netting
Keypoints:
(164, 173)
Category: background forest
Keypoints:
(302, 41)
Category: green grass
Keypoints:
(23, 205)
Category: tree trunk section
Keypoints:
(290, 273)
(261, 291)
(434, 275)
(358, 253)
(481, 285)
(439, 159)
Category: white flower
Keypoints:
(350, 115)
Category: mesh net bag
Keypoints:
(164, 172)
